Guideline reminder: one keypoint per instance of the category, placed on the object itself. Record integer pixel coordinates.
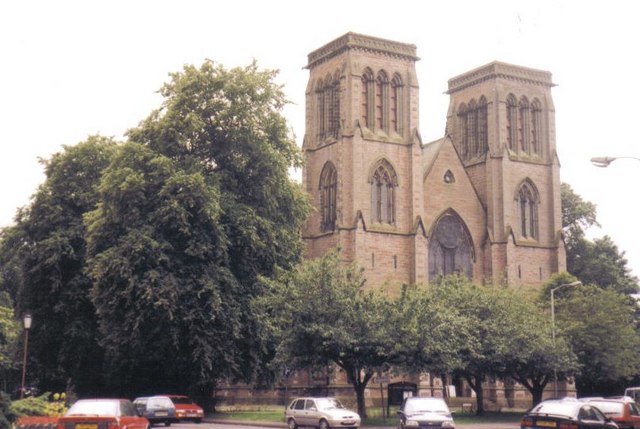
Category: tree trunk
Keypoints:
(362, 408)
(536, 393)
(479, 399)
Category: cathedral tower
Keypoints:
(362, 156)
(502, 121)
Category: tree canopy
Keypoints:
(597, 262)
(322, 316)
(145, 256)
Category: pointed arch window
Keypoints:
(396, 116)
(528, 210)
(383, 185)
(328, 190)
(512, 122)
(536, 127)
(328, 106)
(524, 125)
(473, 129)
(368, 99)
(483, 126)
(382, 102)
(450, 247)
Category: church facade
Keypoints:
(482, 201)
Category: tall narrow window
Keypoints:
(512, 123)
(536, 127)
(525, 125)
(368, 99)
(397, 108)
(320, 102)
(528, 210)
(328, 190)
(472, 124)
(382, 102)
(483, 139)
(383, 184)
(463, 121)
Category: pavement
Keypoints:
(495, 425)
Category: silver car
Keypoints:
(322, 413)
(416, 412)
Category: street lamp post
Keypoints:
(553, 329)
(27, 325)
(604, 161)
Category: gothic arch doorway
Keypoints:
(450, 247)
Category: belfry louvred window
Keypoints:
(382, 107)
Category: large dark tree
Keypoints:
(190, 216)
(43, 257)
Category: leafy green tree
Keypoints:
(429, 334)
(601, 328)
(480, 306)
(596, 262)
(322, 315)
(44, 254)
(162, 289)
(190, 216)
(532, 357)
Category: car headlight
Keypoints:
(412, 423)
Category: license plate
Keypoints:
(86, 426)
(191, 414)
(161, 413)
(546, 423)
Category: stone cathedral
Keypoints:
(482, 201)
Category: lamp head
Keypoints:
(602, 161)
(27, 319)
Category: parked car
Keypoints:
(157, 409)
(568, 413)
(186, 409)
(99, 413)
(633, 393)
(322, 413)
(623, 410)
(419, 412)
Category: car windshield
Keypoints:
(159, 402)
(426, 405)
(181, 400)
(94, 408)
(609, 407)
(328, 403)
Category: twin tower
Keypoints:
(482, 201)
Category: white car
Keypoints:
(321, 413)
(416, 412)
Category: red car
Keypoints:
(623, 411)
(186, 409)
(99, 413)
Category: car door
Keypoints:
(591, 418)
(297, 412)
(311, 413)
(634, 414)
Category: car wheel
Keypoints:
(198, 420)
(324, 424)
(292, 424)
(167, 423)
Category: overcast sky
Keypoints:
(69, 69)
